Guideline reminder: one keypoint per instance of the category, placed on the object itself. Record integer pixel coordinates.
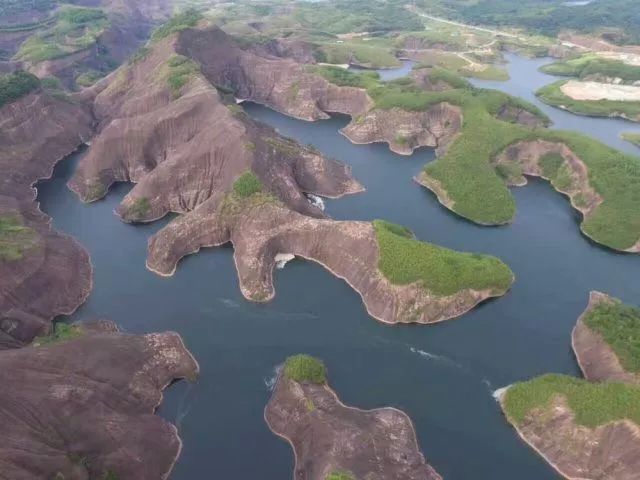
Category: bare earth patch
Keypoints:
(578, 90)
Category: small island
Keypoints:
(332, 441)
(587, 428)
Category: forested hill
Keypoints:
(548, 16)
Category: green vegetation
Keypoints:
(138, 209)
(594, 404)
(180, 70)
(553, 95)
(592, 65)
(305, 368)
(621, 18)
(550, 164)
(15, 85)
(490, 72)
(339, 475)
(345, 16)
(88, 78)
(619, 325)
(109, 475)
(61, 333)
(247, 184)
(74, 29)
(632, 137)
(15, 238)
(346, 78)
(404, 260)
(358, 53)
(181, 21)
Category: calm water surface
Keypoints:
(443, 376)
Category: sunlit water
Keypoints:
(443, 376)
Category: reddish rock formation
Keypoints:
(597, 360)
(405, 131)
(35, 132)
(607, 452)
(82, 407)
(328, 437)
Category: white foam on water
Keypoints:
(270, 382)
(227, 302)
(499, 393)
(436, 358)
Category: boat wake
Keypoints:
(436, 358)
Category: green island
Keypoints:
(466, 173)
(553, 95)
(74, 29)
(619, 325)
(16, 85)
(305, 368)
(405, 260)
(632, 137)
(592, 65)
(594, 404)
(15, 238)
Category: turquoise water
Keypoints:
(443, 376)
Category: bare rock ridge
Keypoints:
(186, 147)
(85, 406)
(293, 89)
(597, 360)
(44, 258)
(586, 431)
(329, 437)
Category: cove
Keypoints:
(442, 376)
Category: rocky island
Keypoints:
(588, 429)
(247, 185)
(332, 441)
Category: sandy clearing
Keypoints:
(578, 90)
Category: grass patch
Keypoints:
(619, 324)
(305, 368)
(74, 29)
(247, 184)
(15, 238)
(632, 137)
(181, 21)
(61, 333)
(365, 55)
(550, 164)
(340, 475)
(490, 72)
(138, 209)
(594, 404)
(347, 78)
(16, 85)
(404, 260)
(553, 95)
(179, 71)
(86, 79)
(592, 65)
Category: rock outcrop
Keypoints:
(597, 360)
(27, 300)
(607, 452)
(329, 437)
(405, 131)
(83, 407)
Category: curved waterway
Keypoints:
(443, 376)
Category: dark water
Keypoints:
(526, 79)
(443, 376)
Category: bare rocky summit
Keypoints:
(329, 437)
(83, 407)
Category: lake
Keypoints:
(443, 375)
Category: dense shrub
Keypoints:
(15, 85)
(305, 368)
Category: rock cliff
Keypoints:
(83, 407)
(329, 437)
(27, 300)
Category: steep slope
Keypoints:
(331, 440)
(83, 407)
(36, 258)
